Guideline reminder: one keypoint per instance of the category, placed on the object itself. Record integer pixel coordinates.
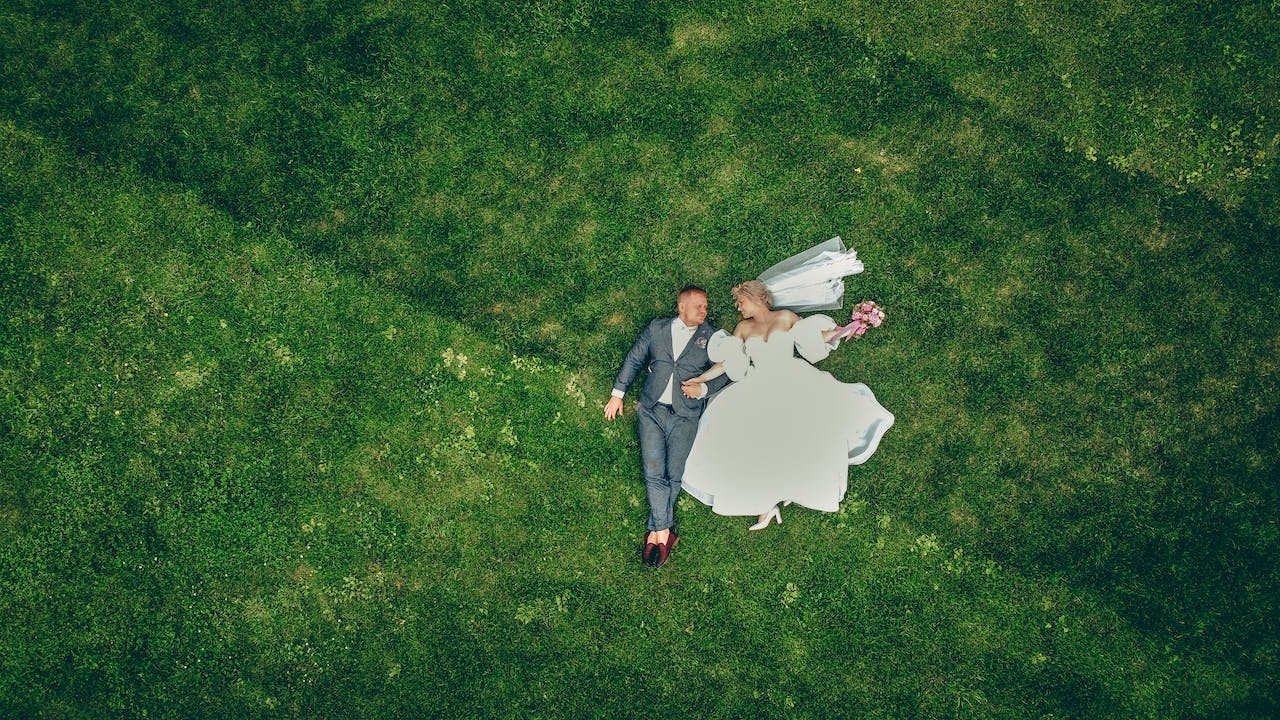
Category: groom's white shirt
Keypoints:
(680, 336)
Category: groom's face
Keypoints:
(692, 307)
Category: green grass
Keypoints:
(310, 314)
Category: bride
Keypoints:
(785, 431)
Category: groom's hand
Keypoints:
(613, 408)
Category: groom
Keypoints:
(674, 349)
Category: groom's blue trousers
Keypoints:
(665, 441)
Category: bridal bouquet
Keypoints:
(866, 315)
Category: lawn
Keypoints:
(310, 312)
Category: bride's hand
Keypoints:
(692, 388)
(844, 332)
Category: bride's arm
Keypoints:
(816, 336)
(730, 360)
(710, 373)
(694, 388)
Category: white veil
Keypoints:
(813, 279)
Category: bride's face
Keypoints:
(747, 306)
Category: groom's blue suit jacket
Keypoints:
(654, 349)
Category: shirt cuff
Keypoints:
(619, 393)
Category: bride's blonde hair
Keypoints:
(755, 290)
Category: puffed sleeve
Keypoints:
(808, 337)
(727, 349)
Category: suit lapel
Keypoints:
(667, 341)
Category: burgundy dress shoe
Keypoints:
(649, 555)
(664, 549)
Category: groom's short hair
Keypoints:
(690, 289)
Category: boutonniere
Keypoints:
(701, 343)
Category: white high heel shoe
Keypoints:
(773, 514)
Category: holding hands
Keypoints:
(695, 387)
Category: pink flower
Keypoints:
(866, 315)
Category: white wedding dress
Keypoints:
(784, 430)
